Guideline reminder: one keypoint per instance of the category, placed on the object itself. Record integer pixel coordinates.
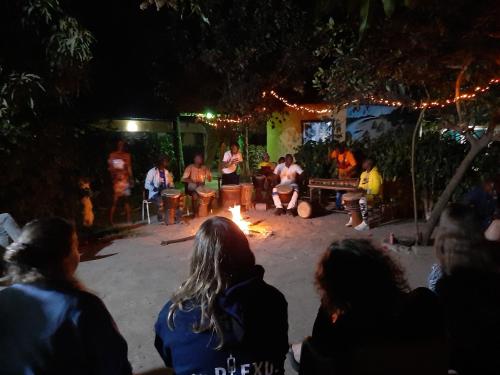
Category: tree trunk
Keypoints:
(440, 205)
(179, 148)
(413, 172)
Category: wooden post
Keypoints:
(179, 148)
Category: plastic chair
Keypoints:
(145, 204)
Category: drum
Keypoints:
(307, 210)
(285, 193)
(246, 196)
(259, 181)
(351, 203)
(171, 202)
(231, 195)
(206, 196)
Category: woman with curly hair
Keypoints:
(224, 319)
(48, 323)
(369, 321)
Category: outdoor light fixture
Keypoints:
(209, 115)
(132, 126)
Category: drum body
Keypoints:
(351, 203)
(307, 210)
(171, 201)
(231, 195)
(285, 193)
(246, 195)
(259, 181)
(206, 196)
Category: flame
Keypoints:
(238, 219)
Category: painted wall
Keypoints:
(284, 130)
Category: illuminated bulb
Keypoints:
(132, 126)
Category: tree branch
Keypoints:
(458, 83)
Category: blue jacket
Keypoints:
(255, 334)
(56, 330)
(484, 204)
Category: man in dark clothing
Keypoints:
(483, 199)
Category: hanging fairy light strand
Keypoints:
(373, 100)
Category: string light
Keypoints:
(373, 100)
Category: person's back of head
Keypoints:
(354, 276)
(221, 258)
(460, 219)
(47, 249)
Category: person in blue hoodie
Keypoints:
(224, 319)
(48, 323)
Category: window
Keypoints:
(316, 131)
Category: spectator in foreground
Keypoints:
(224, 319)
(456, 219)
(470, 293)
(368, 321)
(48, 323)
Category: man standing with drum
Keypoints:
(195, 176)
(230, 162)
(346, 167)
(288, 173)
(370, 184)
(158, 179)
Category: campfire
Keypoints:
(238, 219)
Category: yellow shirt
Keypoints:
(371, 182)
(264, 164)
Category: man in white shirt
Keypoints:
(158, 179)
(288, 173)
(230, 162)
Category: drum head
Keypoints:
(304, 209)
(284, 189)
(174, 193)
(205, 191)
(246, 185)
(352, 196)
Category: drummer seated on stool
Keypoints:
(370, 184)
(195, 176)
(288, 173)
(158, 179)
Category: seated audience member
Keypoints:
(196, 175)
(230, 162)
(158, 178)
(281, 160)
(368, 321)
(48, 323)
(470, 294)
(456, 219)
(224, 319)
(288, 173)
(370, 183)
(483, 199)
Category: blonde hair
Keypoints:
(221, 258)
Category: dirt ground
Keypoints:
(135, 275)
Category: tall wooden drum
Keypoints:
(206, 195)
(246, 196)
(171, 198)
(259, 181)
(285, 193)
(351, 203)
(231, 195)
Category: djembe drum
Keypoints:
(206, 195)
(351, 203)
(259, 181)
(285, 193)
(246, 195)
(231, 195)
(307, 210)
(171, 201)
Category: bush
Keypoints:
(255, 155)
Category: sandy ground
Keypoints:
(135, 275)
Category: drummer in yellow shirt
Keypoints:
(370, 183)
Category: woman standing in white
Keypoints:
(287, 172)
(230, 163)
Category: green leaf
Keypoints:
(389, 7)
